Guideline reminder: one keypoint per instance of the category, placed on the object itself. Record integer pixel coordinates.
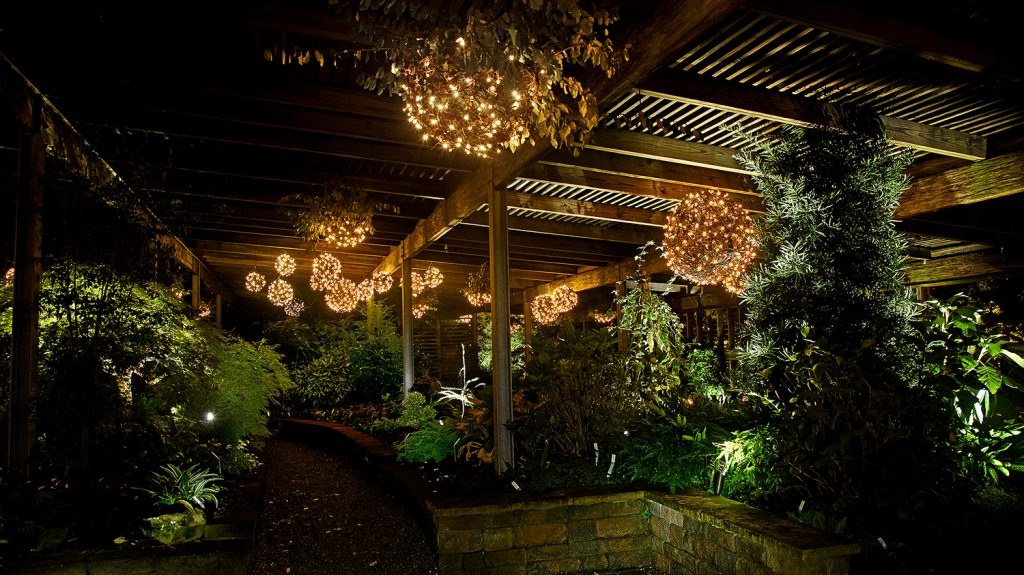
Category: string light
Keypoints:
(294, 307)
(423, 305)
(382, 282)
(709, 240)
(279, 292)
(9, 276)
(478, 286)
(205, 309)
(341, 216)
(433, 277)
(326, 271)
(472, 112)
(466, 319)
(364, 290)
(603, 318)
(548, 307)
(254, 281)
(342, 296)
(285, 265)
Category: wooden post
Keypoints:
(732, 326)
(501, 362)
(408, 363)
(25, 321)
(689, 324)
(217, 310)
(197, 288)
(527, 330)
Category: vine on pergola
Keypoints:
(522, 43)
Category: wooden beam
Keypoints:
(648, 169)
(977, 182)
(63, 141)
(631, 185)
(719, 94)
(641, 145)
(632, 236)
(556, 205)
(659, 31)
(965, 268)
(879, 27)
(605, 276)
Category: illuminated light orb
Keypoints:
(205, 309)
(433, 277)
(348, 232)
(9, 276)
(342, 296)
(294, 307)
(544, 310)
(419, 310)
(603, 318)
(466, 319)
(709, 240)
(326, 271)
(476, 113)
(478, 286)
(478, 299)
(285, 265)
(254, 281)
(564, 298)
(279, 292)
(364, 290)
(382, 282)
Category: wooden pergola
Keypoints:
(237, 133)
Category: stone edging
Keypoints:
(597, 528)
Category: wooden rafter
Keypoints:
(977, 182)
(664, 28)
(711, 92)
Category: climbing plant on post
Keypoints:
(828, 335)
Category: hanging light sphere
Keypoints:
(9, 276)
(478, 286)
(564, 298)
(342, 296)
(544, 310)
(326, 271)
(473, 112)
(285, 265)
(255, 281)
(294, 307)
(279, 292)
(382, 282)
(433, 277)
(709, 240)
(364, 290)
(603, 318)
(348, 232)
(478, 299)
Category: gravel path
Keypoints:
(323, 515)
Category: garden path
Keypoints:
(323, 515)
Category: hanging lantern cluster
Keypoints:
(601, 318)
(279, 292)
(547, 308)
(326, 271)
(255, 281)
(709, 240)
(364, 290)
(341, 297)
(478, 286)
(294, 307)
(424, 304)
(341, 216)
(429, 279)
(382, 282)
(471, 111)
(285, 265)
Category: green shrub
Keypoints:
(192, 486)
(432, 442)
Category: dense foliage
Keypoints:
(829, 338)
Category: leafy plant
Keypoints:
(432, 442)
(574, 393)
(173, 485)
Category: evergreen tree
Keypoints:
(828, 336)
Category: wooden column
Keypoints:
(197, 291)
(733, 313)
(25, 321)
(689, 324)
(218, 302)
(408, 363)
(527, 330)
(501, 363)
